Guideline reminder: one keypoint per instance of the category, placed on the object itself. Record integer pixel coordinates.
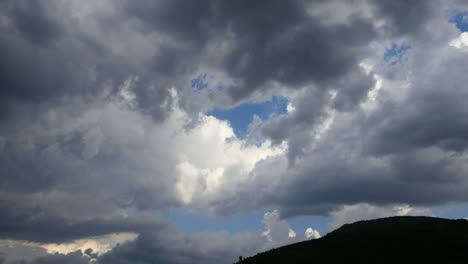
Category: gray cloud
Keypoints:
(432, 115)
(72, 258)
(68, 58)
(50, 53)
(36, 224)
(165, 44)
(285, 46)
(87, 139)
(171, 247)
(403, 17)
(410, 149)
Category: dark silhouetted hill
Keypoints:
(386, 240)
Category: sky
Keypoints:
(171, 131)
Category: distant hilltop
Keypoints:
(387, 240)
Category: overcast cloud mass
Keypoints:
(106, 124)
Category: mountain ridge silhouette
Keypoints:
(385, 240)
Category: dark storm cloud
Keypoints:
(63, 57)
(404, 17)
(46, 57)
(432, 116)
(36, 160)
(268, 41)
(412, 127)
(171, 247)
(324, 186)
(410, 149)
(295, 128)
(313, 107)
(353, 89)
(61, 178)
(71, 162)
(298, 57)
(39, 28)
(51, 57)
(38, 61)
(340, 171)
(38, 225)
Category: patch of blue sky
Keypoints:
(242, 115)
(199, 82)
(397, 53)
(454, 211)
(460, 20)
(190, 222)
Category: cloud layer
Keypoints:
(101, 131)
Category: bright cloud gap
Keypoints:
(241, 116)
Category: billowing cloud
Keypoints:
(460, 41)
(109, 160)
(312, 233)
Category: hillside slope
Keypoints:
(386, 240)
